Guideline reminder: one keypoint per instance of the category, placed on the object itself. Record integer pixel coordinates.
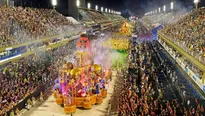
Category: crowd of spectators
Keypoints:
(20, 24)
(153, 20)
(186, 29)
(96, 16)
(189, 32)
(110, 17)
(85, 16)
(141, 30)
(141, 93)
(90, 16)
(186, 62)
(22, 78)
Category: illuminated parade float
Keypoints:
(81, 84)
(119, 43)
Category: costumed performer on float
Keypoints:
(97, 89)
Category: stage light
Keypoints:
(164, 8)
(96, 7)
(105, 9)
(89, 5)
(172, 5)
(196, 2)
(54, 2)
(102, 9)
(78, 3)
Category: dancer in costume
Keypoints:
(97, 89)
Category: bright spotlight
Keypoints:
(54, 2)
(102, 9)
(172, 5)
(96, 7)
(89, 5)
(196, 1)
(78, 3)
(164, 8)
(105, 9)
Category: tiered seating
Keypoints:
(91, 16)
(189, 32)
(119, 16)
(84, 15)
(145, 92)
(20, 24)
(162, 18)
(112, 17)
(98, 17)
(20, 79)
(151, 20)
(109, 16)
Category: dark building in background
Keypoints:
(65, 7)
(4, 2)
(72, 8)
(83, 3)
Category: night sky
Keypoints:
(127, 7)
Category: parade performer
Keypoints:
(41, 97)
(87, 99)
(62, 85)
(97, 89)
(69, 96)
(102, 84)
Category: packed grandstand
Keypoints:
(140, 91)
(22, 78)
(185, 28)
(144, 93)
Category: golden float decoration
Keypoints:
(93, 99)
(79, 101)
(69, 65)
(99, 100)
(118, 43)
(59, 100)
(104, 93)
(75, 72)
(97, 68)
(87, 105)
(70, 109)
(55, 94)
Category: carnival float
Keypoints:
(81, 84)
(119, 43)
(125, 30)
